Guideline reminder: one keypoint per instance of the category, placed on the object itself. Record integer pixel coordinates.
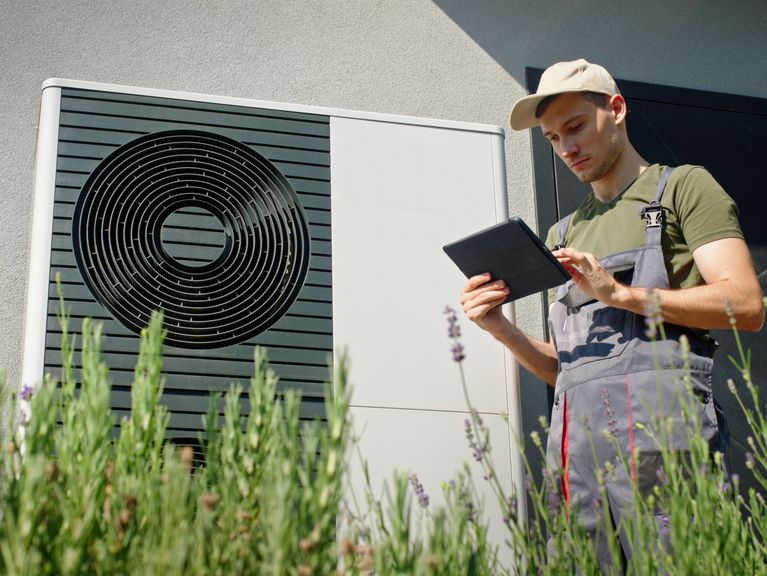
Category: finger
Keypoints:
(477, 281)
(480, 311)
(491, 298)
(471, 291)
(575, 255)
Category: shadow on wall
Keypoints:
(519, 33)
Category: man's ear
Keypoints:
(618, 108)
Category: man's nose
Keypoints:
(568, 148)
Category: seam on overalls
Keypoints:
(565, 455)
(631, 432)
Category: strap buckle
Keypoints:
(653, 216)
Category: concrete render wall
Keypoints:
(447, 59)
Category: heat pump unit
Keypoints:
(296, 228)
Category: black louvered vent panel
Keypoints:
(220, 215)
(140, 248)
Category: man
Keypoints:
(648, 244)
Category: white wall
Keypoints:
(443, 59)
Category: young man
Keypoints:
(647, 244)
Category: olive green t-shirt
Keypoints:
(696, 210)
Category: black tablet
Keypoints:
(512, 252)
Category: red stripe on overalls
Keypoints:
(565, 458)
(631, 432)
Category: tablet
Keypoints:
(512, 252)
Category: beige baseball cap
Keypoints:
(575, 76)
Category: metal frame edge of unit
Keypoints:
(253, 103)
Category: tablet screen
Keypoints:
(512, 252)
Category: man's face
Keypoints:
(585, 136)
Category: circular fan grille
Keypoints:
(197, 225)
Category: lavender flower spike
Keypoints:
(457, 350)
(423, 497)
(26, 392)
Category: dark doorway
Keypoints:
(725, 133)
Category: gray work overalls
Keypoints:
(610, 378)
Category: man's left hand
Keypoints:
(590, 276)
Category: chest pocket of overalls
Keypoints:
(589, 330)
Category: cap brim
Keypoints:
(522, 114)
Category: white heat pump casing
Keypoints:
(400, 188)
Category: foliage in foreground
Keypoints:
(693, 521)
(75, 499)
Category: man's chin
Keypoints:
(585, 176)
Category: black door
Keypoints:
(725, 133)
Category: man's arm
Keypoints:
(726, 268)
(481, 300)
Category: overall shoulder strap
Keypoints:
(652, 213)
(562, 229)
(662, 182)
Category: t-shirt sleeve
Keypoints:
(704, 210)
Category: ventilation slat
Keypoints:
(93, 127)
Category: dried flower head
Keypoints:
(210, 501)
(187, 457)
(346, 547)
(51, 471)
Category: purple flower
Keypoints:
(749, 460)
(471, 512)
(554, 501)
(612, 423)
(478, 449)
(513, 505)
(454, 332)
(26, 392)
(665, 521)
(423, 497)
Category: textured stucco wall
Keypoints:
(443, 59)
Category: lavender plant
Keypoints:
(79, 496)
(694, 521)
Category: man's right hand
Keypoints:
(481, 300)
